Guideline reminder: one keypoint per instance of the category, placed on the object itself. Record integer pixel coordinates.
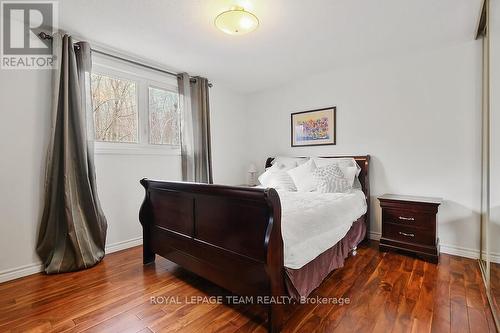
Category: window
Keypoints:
(135, 110)
(115, 109)
(163, 116)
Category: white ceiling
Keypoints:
(296, 37)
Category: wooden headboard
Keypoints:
(364, 178)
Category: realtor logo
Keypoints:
(22, 21)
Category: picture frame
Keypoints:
(314, 127)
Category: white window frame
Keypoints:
(144, 78)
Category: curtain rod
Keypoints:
(46, 36)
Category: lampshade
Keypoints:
(252, 168)
(236, 21)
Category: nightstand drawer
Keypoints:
(408, 234)
(408, 218)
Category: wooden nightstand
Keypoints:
(410, 224)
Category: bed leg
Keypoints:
(354, 251)
(147, 256)
(275, 318)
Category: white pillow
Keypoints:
(331, 179)
(287, 163)
(277, 179)
(350, 173)
(303, 176)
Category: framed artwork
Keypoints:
(314, 127)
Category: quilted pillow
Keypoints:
(331, 179)
(344, 164)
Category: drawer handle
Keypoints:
(407, 218)
(407, 235)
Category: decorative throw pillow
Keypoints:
(303, 176)
(277, 178)
(331, 179)
(344, 163)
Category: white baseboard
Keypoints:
(467, 253)
(451, 249)
(374, 235)
(459, 251)
(21, 271)
(118, 246)
(14, 273)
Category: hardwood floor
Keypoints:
(495, 286)
(388, 292)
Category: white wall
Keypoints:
(24, 130)
(418, 117)
(229, 141)
(121, 194)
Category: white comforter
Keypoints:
(313, 222)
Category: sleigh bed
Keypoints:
(232, 236)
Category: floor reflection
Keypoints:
(495, 287)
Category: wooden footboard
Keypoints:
(229, 235)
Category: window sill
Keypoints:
(108, 148)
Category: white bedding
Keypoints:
(313, 222)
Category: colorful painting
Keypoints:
(315, 127)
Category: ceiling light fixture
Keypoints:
(236, 21)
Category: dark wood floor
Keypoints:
(495, 286)
(388, 293)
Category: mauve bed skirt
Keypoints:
(301, 282)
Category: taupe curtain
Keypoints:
(195, 129)
(73, 228)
